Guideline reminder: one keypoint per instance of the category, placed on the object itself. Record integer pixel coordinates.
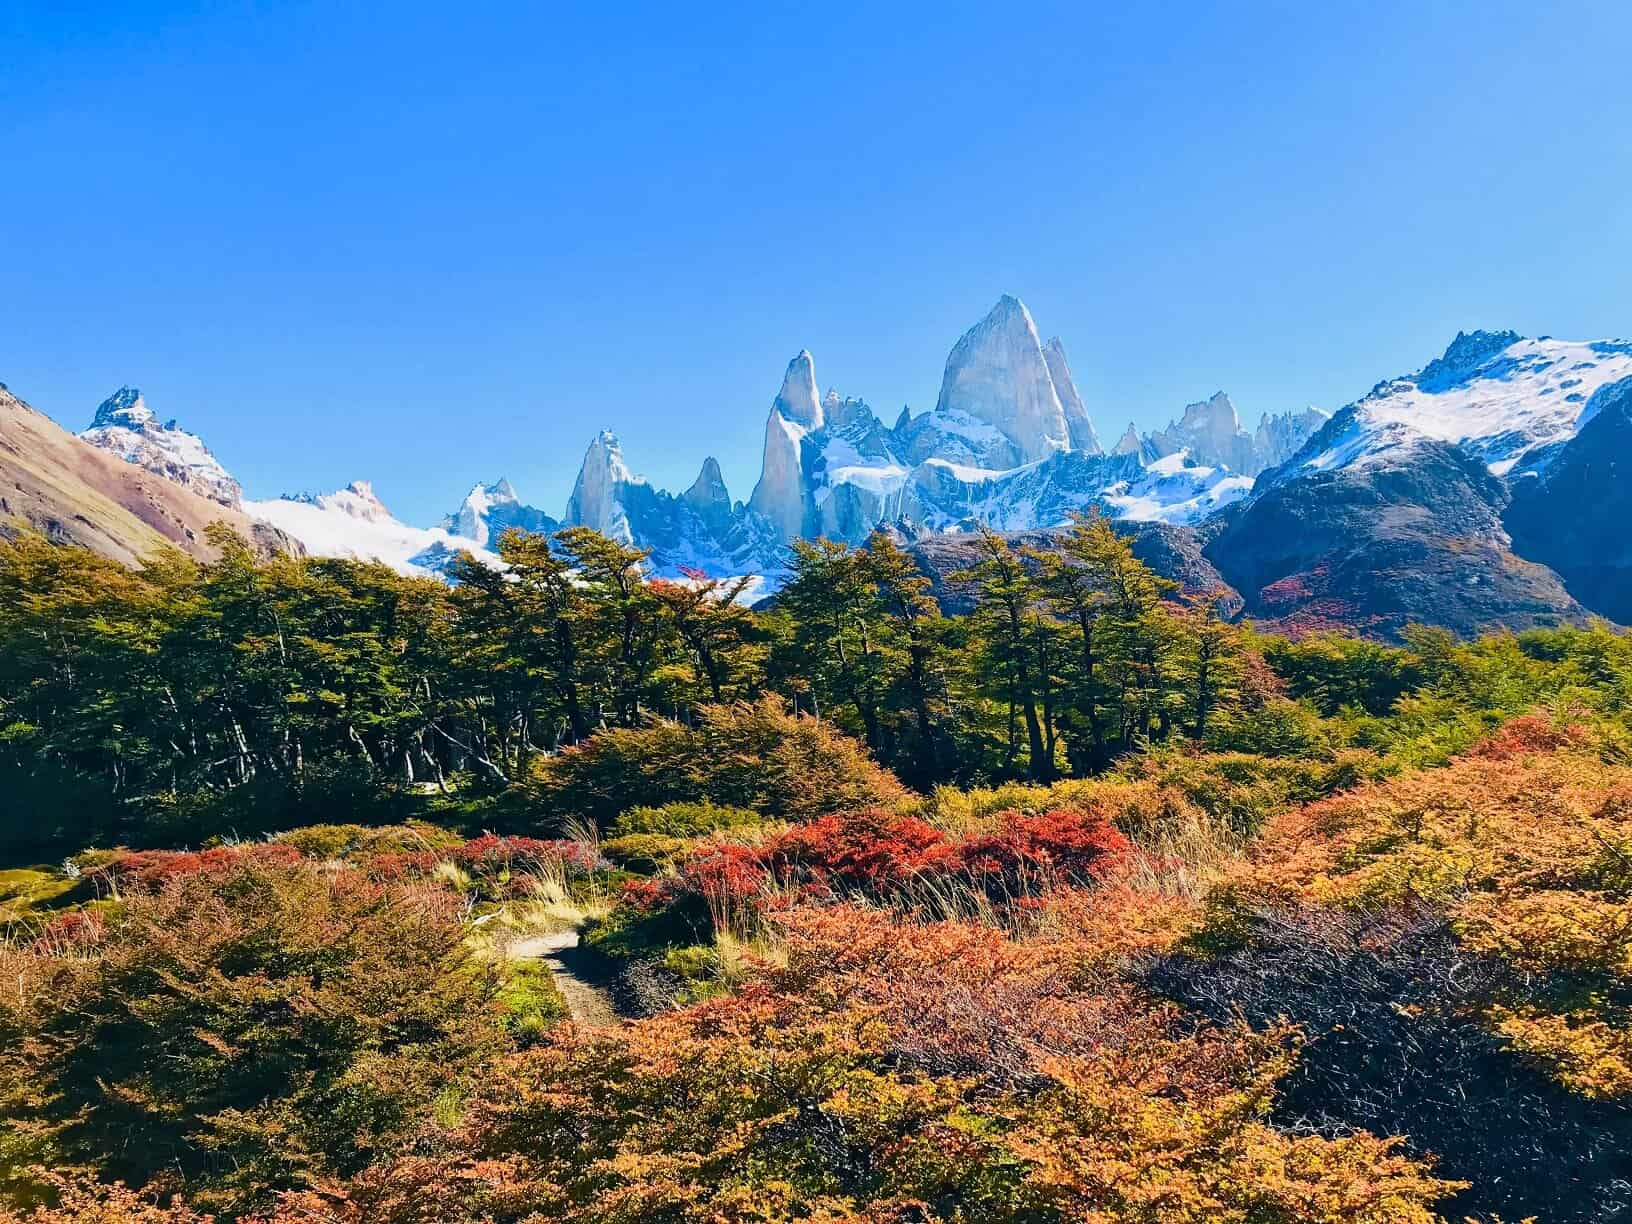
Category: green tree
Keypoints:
(913, 623)
(1005, 619)
(835, 609)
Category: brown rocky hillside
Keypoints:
(72, 493)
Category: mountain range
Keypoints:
(1482, 490)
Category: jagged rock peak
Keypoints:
(606, 452)
(798, 400)
(1081, 426)
(998, 373)
(1128, 443)
(780, 495)
(1279, 436)
(124, 407)
(1216, 414)
(709, 487)
(1466, 353)
(125, 426)
(594, 501)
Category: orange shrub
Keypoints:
(892, 1072)
(1524, 845)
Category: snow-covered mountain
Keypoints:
(1443, 497)
(489, 510)
(1391, 508)
(353, 522)
(1009, 443)
(1502, 399)
(125, 426)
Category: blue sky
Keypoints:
(431, 243)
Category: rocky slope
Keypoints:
(1376, 547)
(74, 492)
(1572, 513)
(1393, 511)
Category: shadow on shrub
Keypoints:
(1391, 1007)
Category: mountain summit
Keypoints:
(125, 426)
(998, 373)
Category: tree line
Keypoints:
(174, 686)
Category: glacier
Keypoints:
(353, 522)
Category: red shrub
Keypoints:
(1029, 853)
(1527, 734)
(152, 869)
(866, 851)
(77, 928)
(879, 855)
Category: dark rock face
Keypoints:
(1576, 516)
(1415, 538)
(1173, 552)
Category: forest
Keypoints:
(561, 893)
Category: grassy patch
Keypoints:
(28, 893)
(528, 1002)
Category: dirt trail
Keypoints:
(588, 1003)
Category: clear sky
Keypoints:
(427, 243)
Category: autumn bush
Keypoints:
(1456, 944)
(497, 866)
(757, 756)
(683, 819)
(234, 1031)
(151, 869)
(885, 857)
(928, 1072)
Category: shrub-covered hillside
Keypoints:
(330, 895)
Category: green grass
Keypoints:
(529, 1003)
(30, 893)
